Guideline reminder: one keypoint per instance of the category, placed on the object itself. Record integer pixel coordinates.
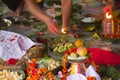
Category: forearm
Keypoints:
(19, 10)
(21, 5)
(66, 12)
(36, 11)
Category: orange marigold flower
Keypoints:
(39, 71)
(44, 69)
(33, 60)
(35, 77)
(28, 78)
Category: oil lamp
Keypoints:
(64, 30)
(108, 24)
(108, 16)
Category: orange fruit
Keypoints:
(78, 43)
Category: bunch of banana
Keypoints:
(95, 35)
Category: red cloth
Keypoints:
(100, 56)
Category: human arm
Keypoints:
(66, 12)
(41, 16)
(19, 10)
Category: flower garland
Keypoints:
(64, 67)
(35, 73)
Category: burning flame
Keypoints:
(108, 15)
(64, 31)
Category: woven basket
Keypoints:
(11, 70)
(33, 52)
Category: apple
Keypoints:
(82, 51)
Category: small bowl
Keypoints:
(88, 19)
(77, 60)
(8, 22)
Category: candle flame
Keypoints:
(108, 15)
(64, 31)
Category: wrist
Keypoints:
(48, 20)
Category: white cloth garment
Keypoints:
(76, 77)
(0, 51)
(13, 45)
(89, 72)
(92, 72)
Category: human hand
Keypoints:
(68, 32)
(53, 27)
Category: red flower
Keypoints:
(11, 61)
(108, 8)
(71, 50)
(75, 50)
(67, 52)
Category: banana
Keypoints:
(95, 35)
(89, 28)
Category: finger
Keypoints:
(55, 27)
(52, 31)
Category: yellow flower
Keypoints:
(38, 1)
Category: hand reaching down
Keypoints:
(53, 27)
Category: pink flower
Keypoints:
(39, 33)
(34, 71)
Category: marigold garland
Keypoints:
(64, 67)
(35, 73)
